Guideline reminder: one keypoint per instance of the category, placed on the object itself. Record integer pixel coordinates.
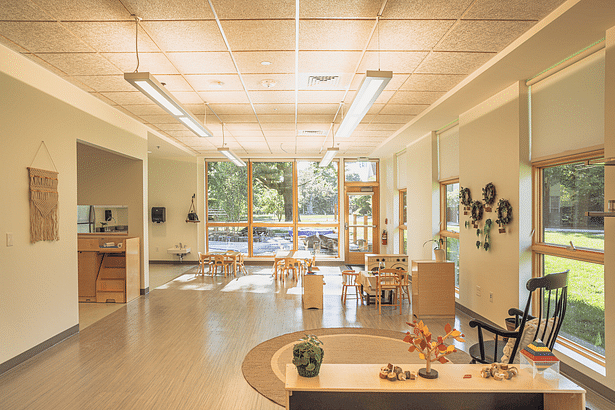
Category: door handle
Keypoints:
(346, 225)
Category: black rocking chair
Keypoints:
(491, 351)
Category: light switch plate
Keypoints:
(9, 239)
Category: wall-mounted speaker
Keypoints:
(159, 214)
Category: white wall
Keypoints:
(172, 182)
(493, 147)
(38, 282)
(388, 199)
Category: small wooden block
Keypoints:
(467, 376)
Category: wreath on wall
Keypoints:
(477, 211)
(504, 212)
(465, 197)
(489, 194)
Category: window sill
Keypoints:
(600, 369)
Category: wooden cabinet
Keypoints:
(312, 291)
(109, 274)
(433, 289)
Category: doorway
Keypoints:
(361, 216)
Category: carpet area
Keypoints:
(264, 366)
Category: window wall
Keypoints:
(568, 239)
(269, 206)
(449, 222)
(403, 221)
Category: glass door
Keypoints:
(361, 228)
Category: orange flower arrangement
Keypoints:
(420, 340)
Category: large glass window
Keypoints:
(272, 198)
(403, 221)
(361, 171)
(568, 191)
(228, 238)
(570, 240)
(227, 192)
(266, 241)
(318, 193)
(449, 220)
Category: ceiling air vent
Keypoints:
(309, 133)
(322, 81)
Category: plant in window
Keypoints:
(437, 250)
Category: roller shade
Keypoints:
(568, 108)
(402, 170)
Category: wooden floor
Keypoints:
(181, 346)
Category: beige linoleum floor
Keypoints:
(182, 345)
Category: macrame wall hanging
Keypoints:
(44, 221)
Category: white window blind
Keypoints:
(449, 153)
(568, 108)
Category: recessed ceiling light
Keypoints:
(268, 83)
(266, 62)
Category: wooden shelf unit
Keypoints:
(433, 289)
(312, 285)
(109, 274)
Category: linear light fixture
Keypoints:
(226, 151)
(371, 87)
(328, 157)
(148, 85)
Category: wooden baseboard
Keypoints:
(17, 360)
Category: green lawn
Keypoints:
(584, 320)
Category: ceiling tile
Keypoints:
(272, 97)
(276, 118)
(515, 10)
(151, 109)
(380, 127)
(215, 82)
(254, 9)
(237, 119)
(155, 63)
(453, 62)
(282, 81)
(290, 133)
(432, 82)
(174, 83)
(239, 127)
(186, 35)
(328, 61)
(274, 108)
(249, 35)
(398, 109)
(250, 62)
(425, 9)
(416, 97)
(159, 119)
(84, 9)
(349, 9)
(103, 83)
(188, 97)
(231, 108)
(214, 62)
(334, 34)
(316, 118)
(128, 98)
(278, 127)
(22, 10)
(476, 35)
(398, 62)
(41, 37)
(169, 10)
(392, 119)
(171, 127)
(409, 35)
(318, 97)
(224, 97)
(330, 109)
(80, 63)
(112, 37)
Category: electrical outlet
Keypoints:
(478, 291)
(9, 239)
(491, 297)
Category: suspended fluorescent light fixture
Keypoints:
(148, 85)
(371, 88)
(328, 157)
(226, 151)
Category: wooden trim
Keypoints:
(449, 234)
(583, 351)
(448, 181)
(563, 252)
(250, 211)
(569, 156)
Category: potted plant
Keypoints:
(437, 250)
(307, 356)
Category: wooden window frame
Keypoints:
(403, 222)
(540, 248)
(444, 233)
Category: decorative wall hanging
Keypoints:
(489, 196)
(465, 197)
(504, 211)
(487, 242)
(477, 212)
(44, 220)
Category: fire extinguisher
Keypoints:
(384, 236)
